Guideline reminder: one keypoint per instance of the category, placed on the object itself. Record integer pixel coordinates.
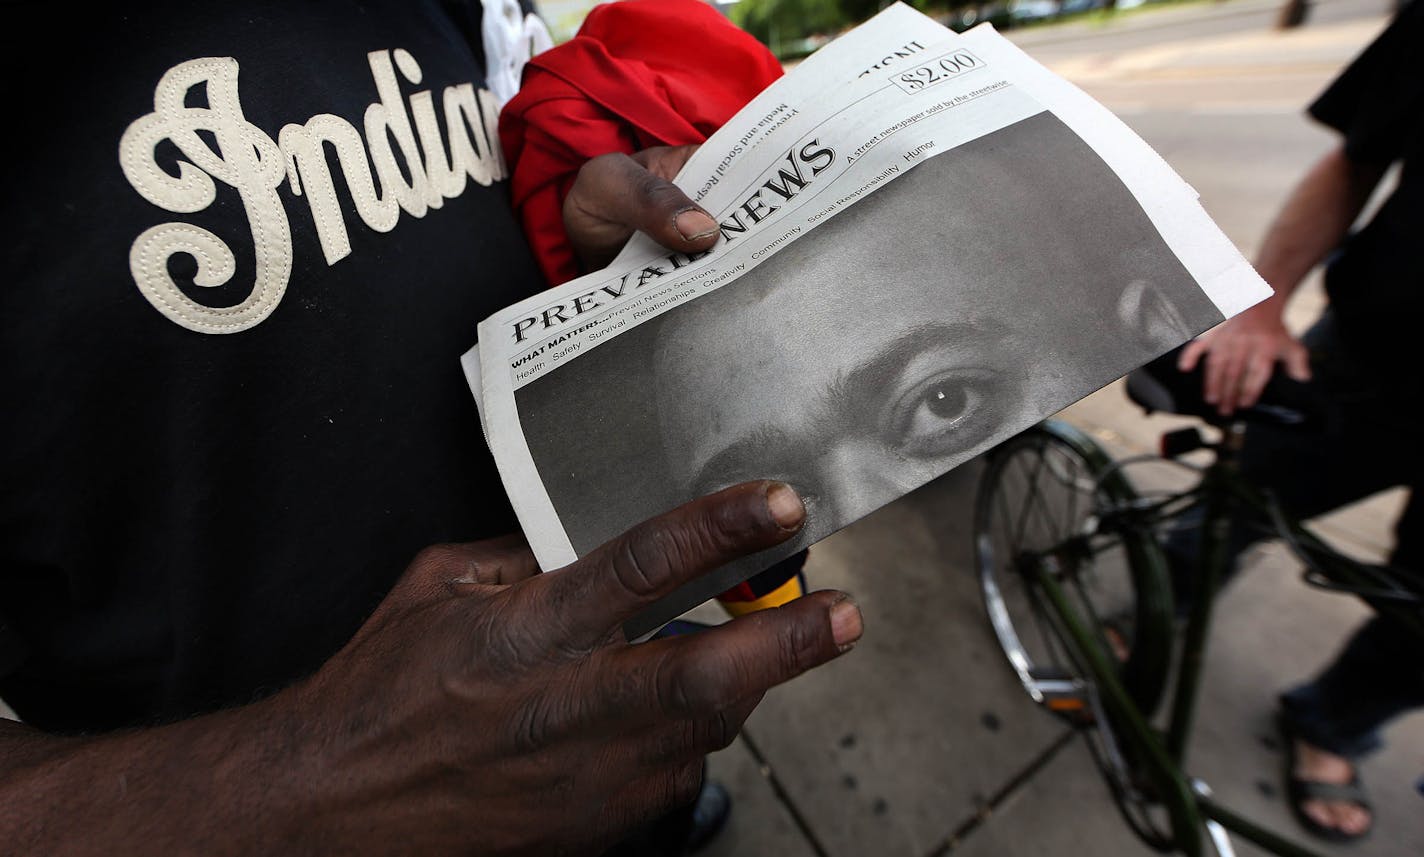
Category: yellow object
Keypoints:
(788, 591)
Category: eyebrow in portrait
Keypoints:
(978, 343)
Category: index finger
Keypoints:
(618, 580)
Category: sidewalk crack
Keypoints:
(997, 799)
(782, 795)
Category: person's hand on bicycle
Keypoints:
(1241, 353)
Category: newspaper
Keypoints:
(928, 243)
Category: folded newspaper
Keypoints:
(928, 243)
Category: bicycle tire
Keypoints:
(1055, 475)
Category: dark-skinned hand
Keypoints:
(486, 709)
(615, 195)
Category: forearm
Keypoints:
(1314, 220)
(234, 782)
(482, 709)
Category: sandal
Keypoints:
(1299, 790)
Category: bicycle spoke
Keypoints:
(1031, 522)
(1054, 652)
(1031, 533)
(1073, 507)
(1032, 488)
(1038, 503)
(1095, 621)
(1051, 644)
(1068, 480)
(1051, 536)
(1006, 515)
(1007, 529)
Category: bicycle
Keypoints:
(1078, 590)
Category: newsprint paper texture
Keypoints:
(929, 242)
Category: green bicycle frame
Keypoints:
(1161, 755)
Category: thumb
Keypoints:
(616, 194)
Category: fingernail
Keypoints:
(785, 506)
(846, 623)
(694, 224)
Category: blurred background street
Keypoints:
(921, 742)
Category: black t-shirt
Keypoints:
(245, 245)
(1376, 284)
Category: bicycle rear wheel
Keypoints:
(1044, 506)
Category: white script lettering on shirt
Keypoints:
(249, 161)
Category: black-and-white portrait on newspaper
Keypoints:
(979, 292)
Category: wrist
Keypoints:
(262, 759)
(1270, 312)
(1284, 276)
(226, 783)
